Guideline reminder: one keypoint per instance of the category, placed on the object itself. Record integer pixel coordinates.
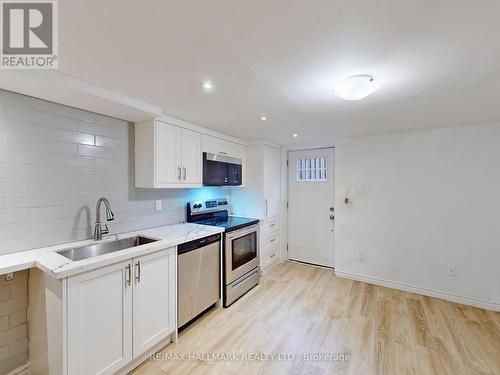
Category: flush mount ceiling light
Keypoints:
(355, 87)
(295, 135)
(208, 86)
(263, 118)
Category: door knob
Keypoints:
(332, 217)
(332, 209)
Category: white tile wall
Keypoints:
(56, 161)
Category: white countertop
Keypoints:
(60, 267)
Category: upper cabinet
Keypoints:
(171, 156)
(219, 146)
(167, 156)
(191, 157)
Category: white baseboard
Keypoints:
(423, 291)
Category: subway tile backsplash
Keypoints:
(56, 161)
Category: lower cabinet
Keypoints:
(99, 321)
(154, 300)
(118, 312)
(270, 236)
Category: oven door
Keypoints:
(241, 252)
(219, 170)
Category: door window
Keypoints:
(311, 169)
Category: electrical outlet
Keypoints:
(452, 271)
(361, 256)
(158, 205)
(9, 277)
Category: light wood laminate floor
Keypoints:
(302, 309)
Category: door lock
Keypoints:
(332, 209)
(332, 217)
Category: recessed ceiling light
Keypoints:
(355, 87)
(208, 86)
(295, 135)
(263, 118)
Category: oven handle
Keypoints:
(242, 232)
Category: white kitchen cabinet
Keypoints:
(261, 198)
(117, 313)
(191, 157)
(167, 156)
(271, 181)
(242, 154)
(154, 300)
(219, 146)
(99, 321)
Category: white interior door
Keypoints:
(311, 210)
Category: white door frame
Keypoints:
(286, 194)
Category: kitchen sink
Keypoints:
(89, 251)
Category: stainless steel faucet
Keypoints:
(98, 231)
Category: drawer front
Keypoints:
(270, 225)
(270, 256)
(270, 241)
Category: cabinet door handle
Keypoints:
(267, 207)
(128, 277)
(138, 272)
(272, 225)
(179, 173)
(274, 239)
(185, 173)
(272, 256)
(223, 153)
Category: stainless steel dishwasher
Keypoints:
(198, 277)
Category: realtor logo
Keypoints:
(29, 34)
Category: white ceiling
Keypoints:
(437, 62)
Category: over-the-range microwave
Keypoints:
(221, 170)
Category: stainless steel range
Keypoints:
(241, 245)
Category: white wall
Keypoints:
(56, 161)
(422, 201)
